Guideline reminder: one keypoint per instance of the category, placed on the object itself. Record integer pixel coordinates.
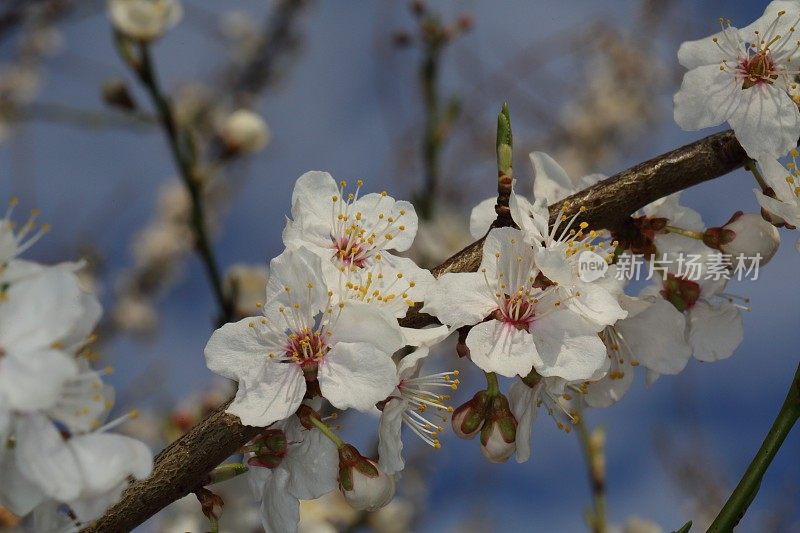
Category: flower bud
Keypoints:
(365, 486)
(747, 234)
(468, 419)
(144, 20)
(269, 449)
(244, 132)
(117, 95)
(499, 433)
(211, 504)
(225, 472)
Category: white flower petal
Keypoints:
(707, 97)
(775, 175)
(356, 375)
(607, 391)
(313, 466)
(788, 212)
(41, 310)
(18, 494)
(409, 365)
(656, 337)
(44, 458)
(280, 511)
(312, 204)
(567, 346)
(105, 462)
(482, 217)
(33, 380)
(522, 400)
(498, 347)
(362, 322)
(766, 122)
(390, 445)
(235, 350)
(271, 395)
(424, 336)
(714, 331)
(295, 269)
(460, 299)
(533, 218)
(705, 51)
(550, 180)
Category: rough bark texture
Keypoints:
(180, 467)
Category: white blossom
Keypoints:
(307, 470)
(413, 397)
(743, 76)
(713, 320)
(785, 183)
(302, 336)
(653, 335)
(354, 235)
(528, 326)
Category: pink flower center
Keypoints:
(306, 345)
(757, 69)
(516, 311)
(680, 292)
(351, 252)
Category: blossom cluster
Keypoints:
(748, 77)
(59, 464)
(330, 334)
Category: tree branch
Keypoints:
(181, 466)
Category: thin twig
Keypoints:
(185, 160)
(592, 447)
(744, 493)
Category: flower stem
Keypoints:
(748, 486)
(185, 159)
(493, 387)
(685, 232)
(592, 446)
(753, 168)
(328, 432)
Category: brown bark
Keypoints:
(181, 466)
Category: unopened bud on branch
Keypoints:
(269, 449)
(244, 132)
(117, 95)
(746, 234)
(499, 433)
(468, 419)
(365, 486)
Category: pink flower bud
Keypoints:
(269, 449)
(747, 234)
(494, 445)
(468, 419)
(364, 485)
(499, 433)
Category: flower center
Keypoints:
(351, 251)
(758, 69)
(680, 292)
(517, 311)
(357, 237)
(306, 345)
